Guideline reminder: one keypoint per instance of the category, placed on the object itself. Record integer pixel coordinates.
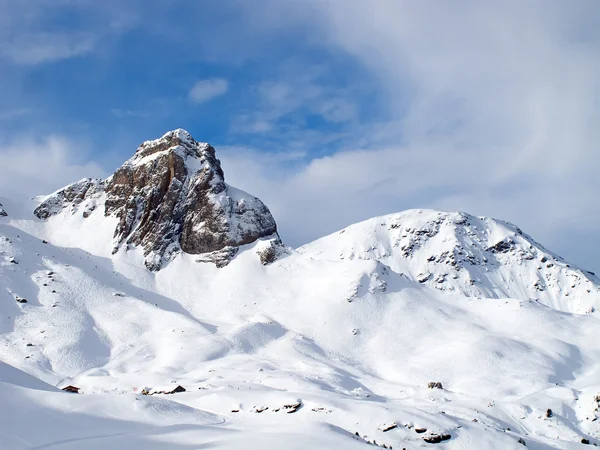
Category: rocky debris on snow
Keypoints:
(388, 427)
(292, 407)
(272, 251)
(321, 409)
(12, 260)
(423, 277)
(3, 212)
(69, 197)
(585, 441)
(522, 442)
(596, 401)
(376, 281)
(436, 438)
(503, 246)
(220, 258)
(119, 294)
(20, 299)
(171, 196)
(420, 430)
(366, 440)
(435, 385)
(259, 409)
(549, 413)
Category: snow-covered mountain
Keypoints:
(171, 196)
(329, 346)
(474, 256)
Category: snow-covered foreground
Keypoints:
(354, 340)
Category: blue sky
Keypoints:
(331, 111)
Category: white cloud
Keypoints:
(298, 92)
(312, 198)
(490, 108)
(205, 90)
(31, 167)
(14, 113)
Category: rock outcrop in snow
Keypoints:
(2, 211)
(171, 196)
(473, 256)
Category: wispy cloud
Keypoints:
(488, 108)
(42, 47)
(14, 113)
(205, 90)
(293, 97)
(30, 167)
(124, 113)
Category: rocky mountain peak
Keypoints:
(171, 196)
(178, 143)
(2, 211)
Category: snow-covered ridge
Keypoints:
(246, 340)
(169, 197)
(376, 333)
(474, 256)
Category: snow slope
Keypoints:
(355, 341)
(411, 330)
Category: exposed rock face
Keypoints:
(171, 196)
(2, 212)
(70, 198)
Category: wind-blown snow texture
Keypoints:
(324, 347)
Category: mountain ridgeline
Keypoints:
(171, 198)
(401, 331)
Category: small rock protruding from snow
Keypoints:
(292, 407)
(436, 438)
(271, 250)
(388, 427)
(259, 409)
(3, 212)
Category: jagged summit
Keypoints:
(170, 196)
(182, 144)
(473, 256)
